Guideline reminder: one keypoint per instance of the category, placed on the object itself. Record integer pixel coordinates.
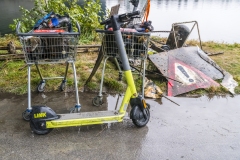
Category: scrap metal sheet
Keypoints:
(189, 66)
(189, 56)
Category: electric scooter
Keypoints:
(43, 119)
(130, 24)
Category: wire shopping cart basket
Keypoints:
(136, 45)
(49, 47)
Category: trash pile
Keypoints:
(186, 68)
(53, 21)
(47, 45)
(151, 90)
(190, 68)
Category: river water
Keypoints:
(217, 19)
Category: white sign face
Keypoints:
(187, 75)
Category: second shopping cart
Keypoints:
(136, 46)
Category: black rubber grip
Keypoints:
(128, 15)
(105, 21)
(133, 13)
(121, 17)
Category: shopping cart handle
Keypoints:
(31, 33)
(78, 27)
(18, 26)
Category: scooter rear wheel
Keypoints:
(143, 121)
(38, 129)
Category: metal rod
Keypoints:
(39, 71)
(157, 74)
(65, 75)
(190, 32)
(76, 83)
(29, 87)
(174, 35)
(162, 31)
(143, 77)
(199, 36)
(170, 100)
(195, 22)
(117, 102)
(117, 64)
(102, 77)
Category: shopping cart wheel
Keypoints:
(75, 109)
(120, 76)
(97, 101)
(143, 121)
(26, 115)
(63, 86)
(38, 128)
(41, 86)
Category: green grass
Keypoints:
(14, 79)
(4, 40)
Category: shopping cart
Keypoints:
(51, 46)
(136, 46)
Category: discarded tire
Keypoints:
(181, 34)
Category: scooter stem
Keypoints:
(120, 43)
(123, 55)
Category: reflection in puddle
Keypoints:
(114, 101)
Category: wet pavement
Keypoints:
(200, 128)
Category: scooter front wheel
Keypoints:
(144, 120)
(38, 128)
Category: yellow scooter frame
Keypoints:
(100, 117)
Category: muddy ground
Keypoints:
(200, 128)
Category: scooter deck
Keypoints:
(85, 118)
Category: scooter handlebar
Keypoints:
(122, 17)
(107, 21)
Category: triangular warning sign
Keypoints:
(190, 77)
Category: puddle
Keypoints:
(114, 101)
(190, 130)
(62, 101)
